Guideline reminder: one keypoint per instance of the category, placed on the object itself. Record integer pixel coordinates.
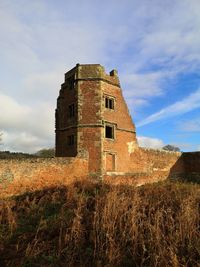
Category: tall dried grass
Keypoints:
(87, 224)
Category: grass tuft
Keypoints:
(93, 224)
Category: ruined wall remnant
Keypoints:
(40, 172)
(101, 123)
(103, 126)
(95, 136)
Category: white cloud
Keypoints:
(43, 86)
(12, 113)
(149, 41)
(142, 85)
(188, 146)
(192, 125)
(22, 125)
(173, 35)
(15, 141)
(180, 107)
(165, 45)
(156, 143)
(24, 141)
(145, 141)
(15, 116)
(136, 102)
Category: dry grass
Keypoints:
(87, 224)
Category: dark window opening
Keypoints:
(71, 140)
(71, 83)
(109, 132)
(71, 110)
(109, 103)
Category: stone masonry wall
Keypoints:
(41, 172)
(192, 162)
(149, 166)
(151, 160)
(124, 142)
(89, 122)
(65, 125)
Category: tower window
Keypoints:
(71, 140)
(109, 131)
(71, 83)
(71, 110)
(109, 102)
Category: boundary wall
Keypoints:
(148, 166)
(28, 174)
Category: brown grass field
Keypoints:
(87, 224)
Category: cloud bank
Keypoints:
(180, 107)
(150, 142)
(149, 42)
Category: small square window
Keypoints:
(71, 140)
(71, 110)
(109, 102)
(109, 131)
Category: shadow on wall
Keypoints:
(187, 168)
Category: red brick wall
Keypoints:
(89, 102)
(120, 154)
(150, 160)
(149, 166)
(120, 114)
(33, 174)
(89, 140)
(122, 120)
(89, 121)
(119, 146)
(192, 162)
(66, 97)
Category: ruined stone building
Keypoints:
(96, 137)
(92, 116)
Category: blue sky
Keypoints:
(154, 45)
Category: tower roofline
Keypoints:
(92, 72)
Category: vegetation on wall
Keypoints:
(94, 224)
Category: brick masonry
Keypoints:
(39, 173)
(92, 87)
(95, 136)
(120, 154)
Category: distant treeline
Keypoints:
(43, 153)
(13, 155)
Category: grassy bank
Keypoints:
(86, 224)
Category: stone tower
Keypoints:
(92, 116)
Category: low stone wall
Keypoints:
(150, 160)
(149, 166)
(191, 161)
(19, 174)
